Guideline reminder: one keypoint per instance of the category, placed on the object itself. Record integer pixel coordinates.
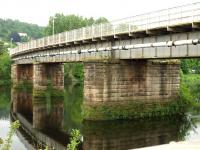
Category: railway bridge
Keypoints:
(131, 66)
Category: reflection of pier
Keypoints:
(35, 139)
(119, 135)
(42, 112)
(41, 119)
(42, 122)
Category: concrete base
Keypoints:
(130, 88)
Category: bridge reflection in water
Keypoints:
(46, 123)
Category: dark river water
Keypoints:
(106, 135)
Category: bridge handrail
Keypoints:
(163, 18)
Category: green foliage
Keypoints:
(73, 72)
(1, 46)
(1, 141)
(46, 148)
(7, 143)
(65, 23)
(73, 98)
(187, 65)
(8, 26)
(184, 66)
(190, 87)
(5, 66)
(74, 140)
(133, 110)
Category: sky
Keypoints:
(39, 11)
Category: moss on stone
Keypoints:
(132, 110)
(23, 86)
(52, 93)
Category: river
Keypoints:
(67, 115)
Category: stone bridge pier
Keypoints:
(43, 98)
(112, 89)
(42, 76)
(131, 89)
(22, 73)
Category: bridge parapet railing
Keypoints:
(96, 30)
(46, 39)
(63, 37)
(107, 29)
(51, 40)
(78, 34)
(158, 19)
(87, 32)
(70, 36)
(55, 39)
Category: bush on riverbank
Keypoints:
(8, 141)
(5, 67)
(190, 87)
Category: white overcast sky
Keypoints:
(39, 11)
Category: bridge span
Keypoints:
(126, 71)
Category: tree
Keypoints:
(8, 26)
(66, 23)
(101, 20)
(187, 65)
(15, 37)
(1, 46)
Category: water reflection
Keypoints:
(133, 134)
(41, 119)
(48, 122)
(33, 138)
(4, 102)
(22, 101)
(45, 116)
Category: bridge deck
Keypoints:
(175, 19)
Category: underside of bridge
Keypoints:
(112, 89)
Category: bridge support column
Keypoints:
(44, 74)
(48, 78)
(131, 89)
(21, 73)
(48, 86)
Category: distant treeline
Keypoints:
(69, 22)
(9, 27)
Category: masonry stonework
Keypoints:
(21, 73)
(45, 73)
(113, 85)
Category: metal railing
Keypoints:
(189, 13)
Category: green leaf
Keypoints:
(1, 141)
